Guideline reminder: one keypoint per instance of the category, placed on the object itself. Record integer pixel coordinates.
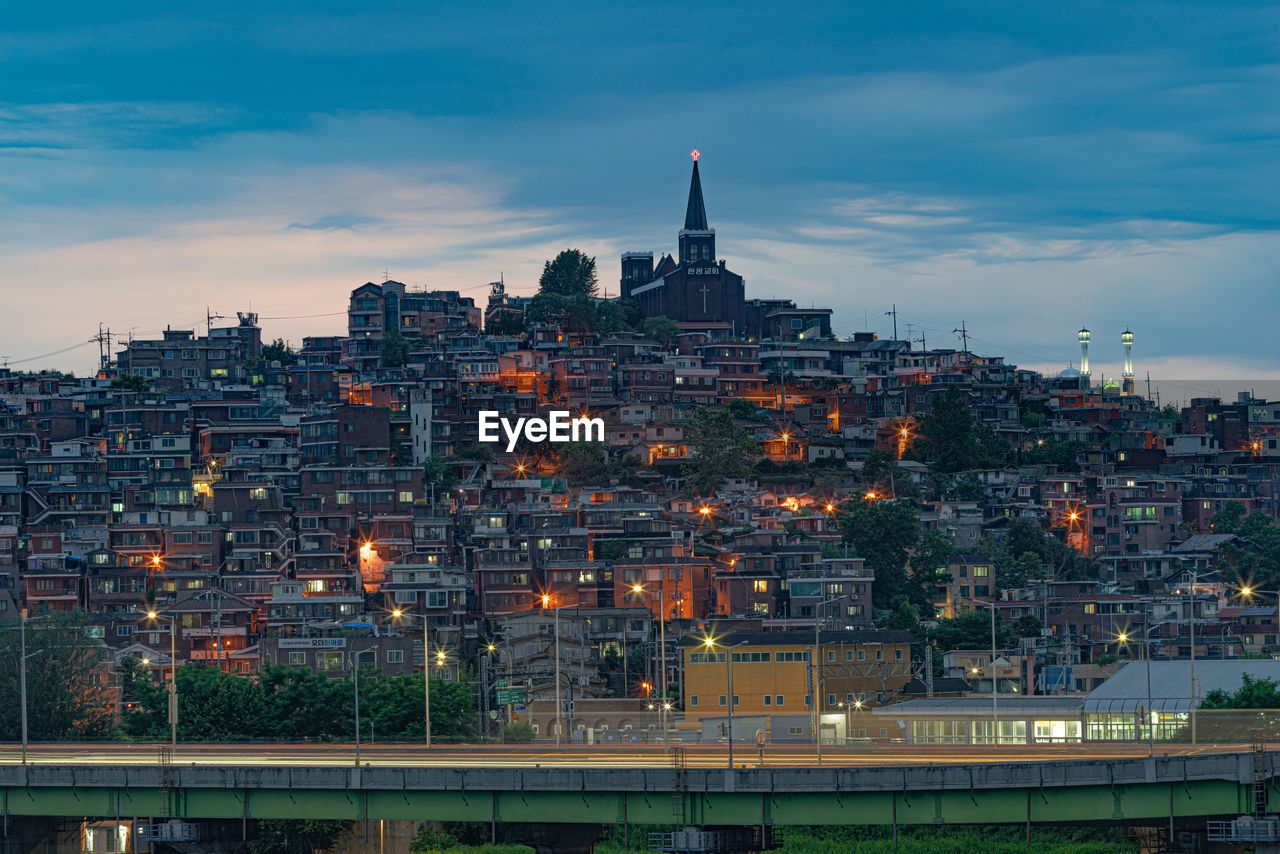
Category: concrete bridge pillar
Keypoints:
(555, 838)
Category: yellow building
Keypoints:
(771, 674)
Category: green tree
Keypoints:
(506, 323)
(1229, 518)
(662, 329)
(931, 551)
(883, 533)
(745, 410)
(574, 313)
(393, 351)
(1253, 693)
(436, 470)
(296, 836)
(718, 449)
(67, 695)
(616, 315)
(279, 351)
(131, 382)
(946, 438)
(582, 462)
(570, 274)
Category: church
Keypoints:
(700, 293)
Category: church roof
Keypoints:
(695, 215)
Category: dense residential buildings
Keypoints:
(303, 507)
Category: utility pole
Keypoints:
(894, 312)
(209, 318)
(964, 336)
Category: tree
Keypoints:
(67, 697)
(931, 551)
(393, 352)
(582, 462)
(131, 382)
(279, 351)
(1229, 518)
(1252, 694)
(616, 315)
(662, 329)
(570, 274)
(435, 470)
(506, 323)
(946, 438)
(718, 450)
(576, 313)
(296, 836)
(883, 533)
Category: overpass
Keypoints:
(565, 804)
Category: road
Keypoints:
(620, 756)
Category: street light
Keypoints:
(173, 674)
(355, 666)
(1123, 637)
(710, 643)
(426, 671)
(545, 600)
(662, 639)
(995, 681)
(817, 664)
(22, 667)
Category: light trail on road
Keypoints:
(540, 756)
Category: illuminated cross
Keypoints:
(695, 154)
(704, 298)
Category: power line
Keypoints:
(54, 353)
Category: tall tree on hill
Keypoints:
(570, 274)
(718, 450)
(946, 439)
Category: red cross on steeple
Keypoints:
(695, 154)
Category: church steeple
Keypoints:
(697, 239)
(695, 215)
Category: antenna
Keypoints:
(386, 276)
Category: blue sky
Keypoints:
(1025, 168)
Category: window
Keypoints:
(707, 658)
(722, 700)
(751, 657)
(786, 656)
(297, 659)
(831, 655)
(831, 699)
(779, 700)
(406, 497)
(981, 571)
(862, 655)
(395, 656)
(736, 701)
(879, 655)
(693, 700)
(760, 585)
(329, 660)
(768, 700)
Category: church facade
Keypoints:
(700, 293)
(694, 289)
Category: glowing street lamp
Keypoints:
(400, 614)
(871, 495)
(173, 674)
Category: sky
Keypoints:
(1027, 169)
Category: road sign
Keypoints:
(510, 696)
(502, 683)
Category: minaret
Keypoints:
(1084, 356)
(1126, 338)
(697, 239)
